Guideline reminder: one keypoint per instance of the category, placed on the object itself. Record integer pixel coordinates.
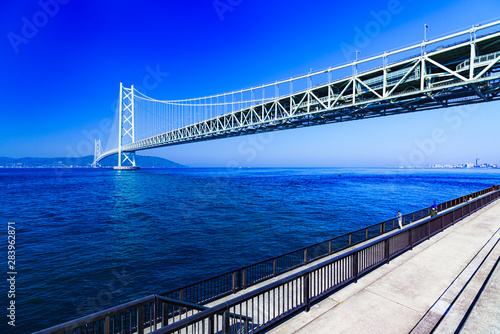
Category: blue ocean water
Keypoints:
(89, 239)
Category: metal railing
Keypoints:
(279, 300)
(225, 284)
(154, 311)
(144, 315)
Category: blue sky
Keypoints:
(62, 62)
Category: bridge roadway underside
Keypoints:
(410, 294)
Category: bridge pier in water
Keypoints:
(128, 157)
(126, 167)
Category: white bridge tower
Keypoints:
(126, 132)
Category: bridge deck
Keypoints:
(416, 287)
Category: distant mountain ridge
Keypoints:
(145, 161)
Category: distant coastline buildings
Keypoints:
(478, 164)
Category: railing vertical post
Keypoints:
(442, 223)
(234, 281)
(355, 267)
(366, 234)
(274, 267)
(155, 312)
(413, 217)
(181, 294)
(211, 324)
(330, 247)
(410, 237)
(305, 256)
(106, 325)
(244, 278)
(350, 239)
(140, 319)
(164, 314)
(306, 292)
(246, 326)
(386, 250)
(225, 320)
(428, 230)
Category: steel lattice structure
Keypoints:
(464, 72)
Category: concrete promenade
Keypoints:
(446, 283)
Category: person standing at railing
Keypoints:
(433, 209)
(400, 219)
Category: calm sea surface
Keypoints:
(90, 239)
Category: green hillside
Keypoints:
(143, 161)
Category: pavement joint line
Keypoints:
(319, 315)
(392, 301)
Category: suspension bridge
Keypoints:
(456, 69)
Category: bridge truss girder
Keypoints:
(439, 79)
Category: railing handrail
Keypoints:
(194, 306)
(181, 303)
(97, 316)
(217, 309)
